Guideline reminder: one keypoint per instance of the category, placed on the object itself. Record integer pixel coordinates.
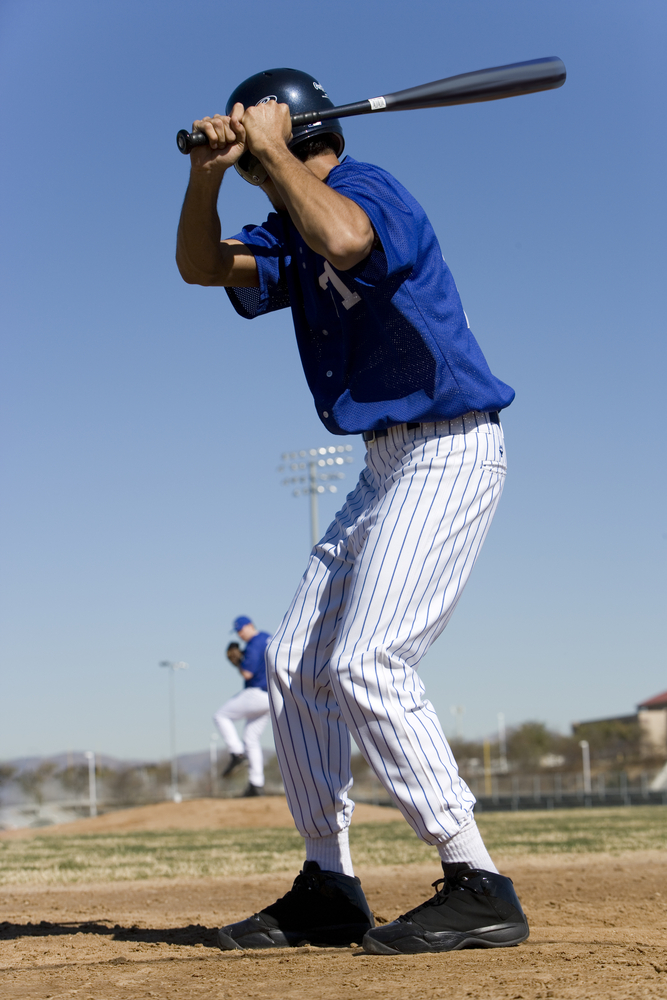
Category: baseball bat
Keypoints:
(466, 88)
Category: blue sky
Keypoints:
(143, 421)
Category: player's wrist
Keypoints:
(208, 174)
(273, 155)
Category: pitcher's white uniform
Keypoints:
(251, 704)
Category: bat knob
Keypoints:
(186, 141)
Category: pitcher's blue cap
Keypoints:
(240, 622)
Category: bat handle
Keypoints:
(186, 141)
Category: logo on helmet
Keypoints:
(265, 100)
(318, 86)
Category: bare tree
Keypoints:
(32, 782)
(74, 779)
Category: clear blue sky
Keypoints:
(143, 420)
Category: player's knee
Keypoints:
(346, 669)
(369, 668)
(277, 658)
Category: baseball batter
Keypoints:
(388, 355)
(251, 704)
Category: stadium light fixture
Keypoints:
(313, 471)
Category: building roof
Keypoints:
(658, 701)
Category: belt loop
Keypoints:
(373, 435)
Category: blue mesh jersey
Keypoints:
(253, 660)
(387, 341)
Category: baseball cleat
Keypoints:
(322, 908)
(471, 909)
(252, 791)
(235, 760)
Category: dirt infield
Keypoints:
(598, 930)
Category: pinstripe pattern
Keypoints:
(379, 589)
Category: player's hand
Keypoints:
(226, 141)
(267, 126)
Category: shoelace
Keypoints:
(448, 884)
(306, 881)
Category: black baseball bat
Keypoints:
(466, 88)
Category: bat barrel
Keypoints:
(483, 85)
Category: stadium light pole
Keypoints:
(173, 667)
(502, 742)
(458, 711)
(92, 783)
(586, 765)
(213, 755)
(322, 465)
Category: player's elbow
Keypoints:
(193, 275)
(349, 249)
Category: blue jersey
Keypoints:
(253, 660)
(387, 341)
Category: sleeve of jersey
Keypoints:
(253, 660)
(388, 206)
(268, 248)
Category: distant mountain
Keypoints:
(73, 758)
(191, 764)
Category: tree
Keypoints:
(528, 743)
(74, 779)
(32, 782)
(7, 772)
(611, 739)
(125, 786)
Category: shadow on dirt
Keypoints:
(190, 935)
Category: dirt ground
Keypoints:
(598, 930)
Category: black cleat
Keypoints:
(471, 909)
(235, 760)
(322, 908)
(252, 791)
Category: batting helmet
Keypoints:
(302, 93)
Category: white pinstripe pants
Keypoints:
(379, 589)
(251, 704)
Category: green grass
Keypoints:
(576, 831)
(53, 860)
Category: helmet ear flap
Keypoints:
(250, 169)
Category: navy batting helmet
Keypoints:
(302, 93)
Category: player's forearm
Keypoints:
(331, 225)
(199, 254)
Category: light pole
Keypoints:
(502, 742)
(213, 754)
(92, 784)
(173, 667)
(488, 787)
(457, 711)
(322, 465)
(586, 764)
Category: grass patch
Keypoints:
(49, 860)
(576, 831)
